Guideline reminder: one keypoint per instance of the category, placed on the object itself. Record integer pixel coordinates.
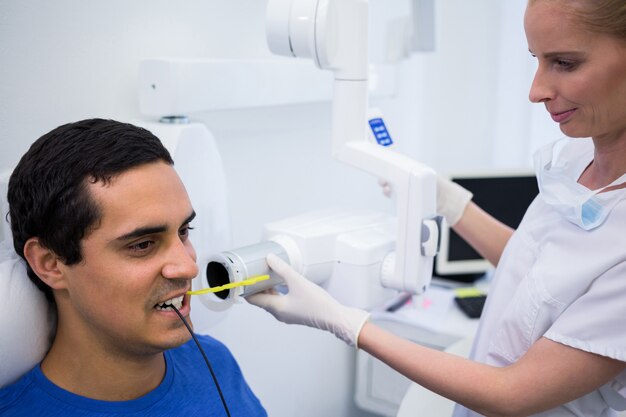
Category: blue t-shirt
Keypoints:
(187, 389)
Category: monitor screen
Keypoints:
(505, 196)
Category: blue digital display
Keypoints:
(380, 131)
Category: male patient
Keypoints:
(103, 221)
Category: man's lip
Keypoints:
(178, 294)
(562, 116)
(184, 310)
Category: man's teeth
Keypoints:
(167, 305)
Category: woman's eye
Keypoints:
(565, 65)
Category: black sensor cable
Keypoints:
(206, 360)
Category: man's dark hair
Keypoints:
(48, 194)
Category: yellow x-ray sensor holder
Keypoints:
(245, 282)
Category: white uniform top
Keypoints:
(558, 281)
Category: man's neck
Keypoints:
(100, 374)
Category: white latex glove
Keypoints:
(451, 198)
(309, 305)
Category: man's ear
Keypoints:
(44, 262)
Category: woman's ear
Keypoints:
(44, 262)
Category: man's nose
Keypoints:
(181, 261)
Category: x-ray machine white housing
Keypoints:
(334, 34)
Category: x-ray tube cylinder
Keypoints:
(242, 263)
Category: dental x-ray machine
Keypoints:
(334, 34)
(359, 246)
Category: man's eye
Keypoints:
(141, 246)
(184, 231)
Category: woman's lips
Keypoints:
(562, 116)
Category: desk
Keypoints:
(382, 390)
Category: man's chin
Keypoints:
(180, 339)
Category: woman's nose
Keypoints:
(540, 89)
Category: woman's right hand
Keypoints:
(452, 199)
(309, 305)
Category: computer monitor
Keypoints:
(505, 196)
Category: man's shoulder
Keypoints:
(20, 396)
(225, 369)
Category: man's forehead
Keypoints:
(146, 195)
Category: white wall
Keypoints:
(66, 60)
(475, 114)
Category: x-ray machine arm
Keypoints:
(334, 34)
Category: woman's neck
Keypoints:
(609, 162)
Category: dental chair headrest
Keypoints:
(27, 321)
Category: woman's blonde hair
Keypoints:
(601, 16)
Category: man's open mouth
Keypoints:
(167, 305)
